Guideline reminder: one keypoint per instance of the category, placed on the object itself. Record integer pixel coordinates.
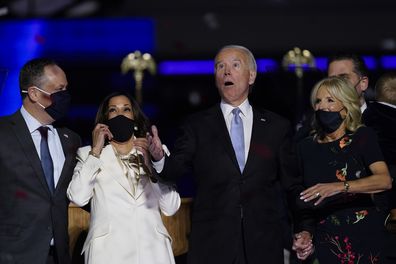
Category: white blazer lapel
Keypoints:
(112, 165)
(140, 187)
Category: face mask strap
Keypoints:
(41, 90)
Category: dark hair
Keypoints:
(32, 73)
(359, 65)
(140, 118)
(385, 88)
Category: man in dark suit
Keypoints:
(241, 160)
(381, 116)
(36, 166)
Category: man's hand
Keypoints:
(155, 145)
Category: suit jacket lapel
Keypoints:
(25, 139)
(69, 156)
(140, 187)
(258, 131)
(219, 126)
(114, 168)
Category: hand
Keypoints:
(141, 144)
(321, 190)
(99, 135)
(155, 145)
(302, 244)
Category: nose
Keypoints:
(323, 106)
(227, 70)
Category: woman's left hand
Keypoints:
(141, 144)
(320, 191)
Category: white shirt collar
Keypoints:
(32, 123)
(363, 107)
(387, 104)
(227, 108)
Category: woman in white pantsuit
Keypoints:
(125, 198)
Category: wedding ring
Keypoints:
(317, 194)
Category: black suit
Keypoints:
(382, 119)
(29, 215)
(224, 196)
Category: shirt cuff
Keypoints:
(159, 165)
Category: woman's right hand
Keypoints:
(99, 135)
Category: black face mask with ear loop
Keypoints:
(60, 103)
(328, 121)
(122, 128)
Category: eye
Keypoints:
(317, 101)
(127, 109)
(236, 64)
(220, 66)
(111, 110)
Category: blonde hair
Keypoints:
(343, 91)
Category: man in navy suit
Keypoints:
(236, 216)
(33, 202)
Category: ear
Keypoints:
(364, 83)
(252, 77)
(32, 94)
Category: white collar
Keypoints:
(387, 104)
(32, 123)
(227, 108)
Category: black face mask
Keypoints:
(122, 128)
(60, 104)
(328, 121)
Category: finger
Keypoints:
(319, 201)
(307, 191)
(109, 134)
(154, 131)
(308, 197)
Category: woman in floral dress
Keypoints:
(343, 168)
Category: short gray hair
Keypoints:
(249, 54)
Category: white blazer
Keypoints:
(123, 228)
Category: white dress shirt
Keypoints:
(247, 118)
(54, 144)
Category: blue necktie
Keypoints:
(46, 160)
(237, 138)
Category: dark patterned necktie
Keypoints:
(46, 160)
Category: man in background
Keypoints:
(353, 68)
(381, 116)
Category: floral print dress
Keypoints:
(349, 227)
